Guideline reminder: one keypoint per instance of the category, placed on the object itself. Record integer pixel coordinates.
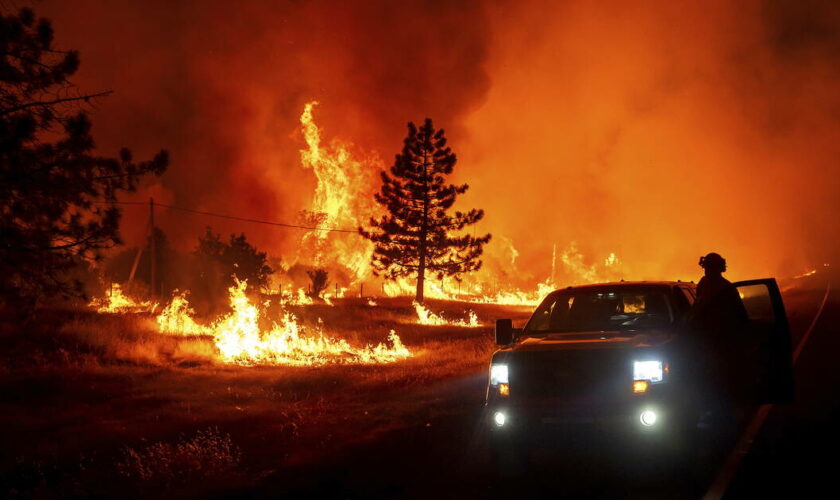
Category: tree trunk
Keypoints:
(421, 272)
(421, 268)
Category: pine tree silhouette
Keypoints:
(417, 236)
(57, 195)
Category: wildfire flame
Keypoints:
(177, 317)
(240, 339)
(118, 302)
(806, 274)
(574, 261)
(342, 198)
(299, 298)
(427, 317)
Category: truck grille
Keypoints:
(575, 376)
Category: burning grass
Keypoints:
(80, 383)
(257, 334)
(241, 338)
(116, 301)
(427, 317)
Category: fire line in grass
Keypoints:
(115, 301)
(427, 317)
(241, 340)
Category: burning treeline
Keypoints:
(343, 200)
(246, 336)
(658, 132)
(589, 168)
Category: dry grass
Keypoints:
(75, 383)
(208, 455)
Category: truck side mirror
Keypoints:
(504, 331)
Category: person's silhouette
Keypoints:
(718, 309)
(718, 317)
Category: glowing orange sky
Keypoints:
(656, 131)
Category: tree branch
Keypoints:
(53, 102)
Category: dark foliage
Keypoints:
(417, 234)
(318, 282)
(173, 267)
(56, 196)
(219, 262)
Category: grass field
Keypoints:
(96, 403)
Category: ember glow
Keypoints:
(240, 338)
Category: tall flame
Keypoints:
(177, 317)
(342, 199)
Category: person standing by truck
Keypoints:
(718, 319)
(718, 309)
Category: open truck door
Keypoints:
(768, 339)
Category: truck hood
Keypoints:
(593, 340)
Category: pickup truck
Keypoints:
(621, 355)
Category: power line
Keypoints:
(233, 217)
(246, 219)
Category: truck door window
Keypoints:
(682, 302)
(689, 295)
(757, 301)
(767, 345)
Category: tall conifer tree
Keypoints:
(418, 235)
(57, 197)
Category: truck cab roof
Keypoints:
(629, 284)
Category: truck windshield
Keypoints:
(602, 310)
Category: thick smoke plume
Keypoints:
(657, 131)
(222, 84)
(663, 132)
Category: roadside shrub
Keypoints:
(207, 455)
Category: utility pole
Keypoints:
(152, 249)
(137, 257)
(136, 262)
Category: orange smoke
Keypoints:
(661, 132)
(631, 138)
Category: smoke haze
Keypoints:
(659, 132)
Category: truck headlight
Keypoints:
(648, 418)
(499, 418)
(651, 371)
(498, 374)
